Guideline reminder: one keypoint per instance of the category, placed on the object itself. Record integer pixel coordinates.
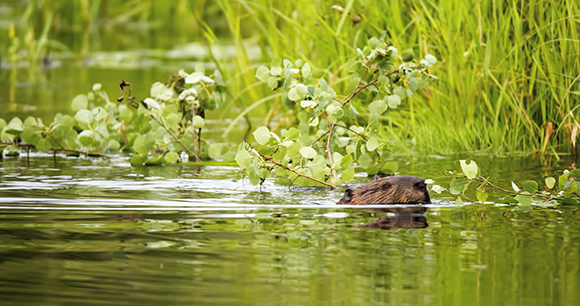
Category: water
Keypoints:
(99, 232)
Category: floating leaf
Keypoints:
(550, 182)
(243, 158)
(262, 135)
(79, 102)
(470, 170)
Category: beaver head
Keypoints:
(389, 190)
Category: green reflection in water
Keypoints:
(100, 232)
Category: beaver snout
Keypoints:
(389, 190)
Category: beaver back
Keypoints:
(389, 190)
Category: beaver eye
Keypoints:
(386, 186)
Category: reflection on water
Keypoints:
(399, 217)
(97, 232)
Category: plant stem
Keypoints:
(271, 161)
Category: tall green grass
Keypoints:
(508, 71)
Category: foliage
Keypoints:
(155, 129)
(330, 132)
(526, 194)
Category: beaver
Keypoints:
(389, 190)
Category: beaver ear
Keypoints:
(347, 195)
(377, 177)
(387, 185)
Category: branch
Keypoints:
(487, 183)
(271, 161)
(161, 123)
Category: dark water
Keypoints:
(97, 232)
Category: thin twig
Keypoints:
(271, 161)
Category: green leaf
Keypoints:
(157, 89)
(407, 57)
(458, 185)
(66, 122)
(292, 134)
(214, 150)
(2, 125)
(254, 178)
(30, 121)
(481, 195)
(306, 70)
(392, 166)
(515, 187)
(151, 103)
(525, 200)
(550, 182)
(510, 200)
(14, 127)
(530, 186)
(171, 157)
(99, 113)
(562, 180)
(43, 144)
(193, 78)
(79, 102)
(198, 122)
(348, 174)
(272, 82)
(470, 170)
(430, 59)
(84, 116)
(243, 158)
(400, 91)
(458, 201)
(31, 135)
(86, 138)
(113, 145)
(308, 103)
(138, 159)
(144, 143)
(293, 94)
(378, 107)
(308, 152)
(172, 120)
(346, 161)
(394, 101)
(372, 144)
(262, 135)
(365, 161)
(263, 73)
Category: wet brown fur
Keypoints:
(389, 190)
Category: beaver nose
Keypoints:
(427, 199)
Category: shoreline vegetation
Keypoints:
(507, 76)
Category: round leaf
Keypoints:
(198, 122)
(79, 102)
(243, 158)
(470, 169)
(550, 182)
(171, 157)
(308, 152)
(84, 116)
(262, 135)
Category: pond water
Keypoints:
(99, 232)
